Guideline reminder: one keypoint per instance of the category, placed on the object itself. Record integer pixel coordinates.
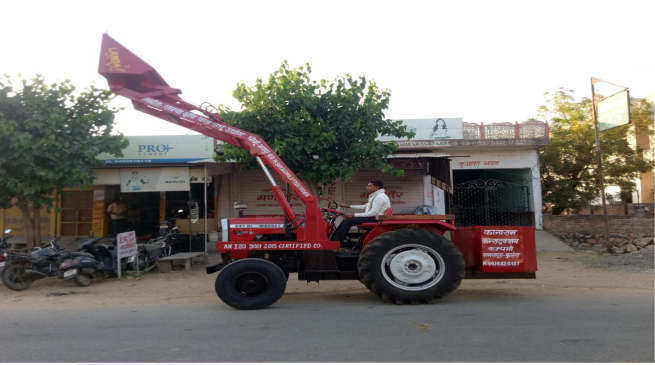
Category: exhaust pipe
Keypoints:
(34, 273)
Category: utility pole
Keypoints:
(614, 115)
(599, 160)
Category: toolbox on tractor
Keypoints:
(403, 259)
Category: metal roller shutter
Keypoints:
(405, 193)
(256, 191)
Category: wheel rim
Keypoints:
(413, 267)
(17, 275)
(84, 279)
(142, 262)
(251, 285)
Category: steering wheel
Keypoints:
(333, 211)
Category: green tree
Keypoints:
(338, 121)
(49, 138)
(569, 166)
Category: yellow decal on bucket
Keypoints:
(114, 60)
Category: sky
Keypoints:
(482, 61)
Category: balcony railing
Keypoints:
(508, 130)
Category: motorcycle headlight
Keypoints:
(131, 258)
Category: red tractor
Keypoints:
(404, 259)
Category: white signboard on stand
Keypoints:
(126, 246)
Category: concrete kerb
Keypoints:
(547, 242)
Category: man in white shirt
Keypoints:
(378, 203)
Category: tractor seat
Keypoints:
(371, 225)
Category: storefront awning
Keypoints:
(419, 155)
(438, 167)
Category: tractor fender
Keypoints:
(437, 226)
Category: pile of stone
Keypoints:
(626, 245)
(620, 244)
(640, 261)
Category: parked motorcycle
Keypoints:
(4, 248)
(22, 269)
(168, 226)
(169, 231)
(89, 261)
(149, 253)
(105, 257)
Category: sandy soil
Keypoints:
(560, 274)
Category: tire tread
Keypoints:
(369, 269)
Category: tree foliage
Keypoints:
(338, 121)
(569, 175)
(49, 139)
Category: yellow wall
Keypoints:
(99, 215)
(647, 190)
(12, 218)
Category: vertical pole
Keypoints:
(54, 211)
(189, 206)
(205, 183)
(599, 160)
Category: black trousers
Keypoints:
(117, 226)
(341, 233)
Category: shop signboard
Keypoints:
(614, 111)
(164, 149)
(155, 179)
(431, 129)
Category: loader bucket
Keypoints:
(122, 68)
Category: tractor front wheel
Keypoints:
(411, 266)
(250, 284)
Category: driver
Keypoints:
(378, 203)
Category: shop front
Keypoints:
(153, 194)
(159, 178)
(499, 188)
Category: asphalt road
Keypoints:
(356, 328)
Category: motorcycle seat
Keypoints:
(81, 254)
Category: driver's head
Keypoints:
(374, 185)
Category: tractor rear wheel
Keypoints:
(411, 266)
(250, 284)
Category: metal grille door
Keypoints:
(491, 203)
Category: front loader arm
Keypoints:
(133, 78)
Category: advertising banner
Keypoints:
(431, 129)
(157, 179)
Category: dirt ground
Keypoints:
(559, 274)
